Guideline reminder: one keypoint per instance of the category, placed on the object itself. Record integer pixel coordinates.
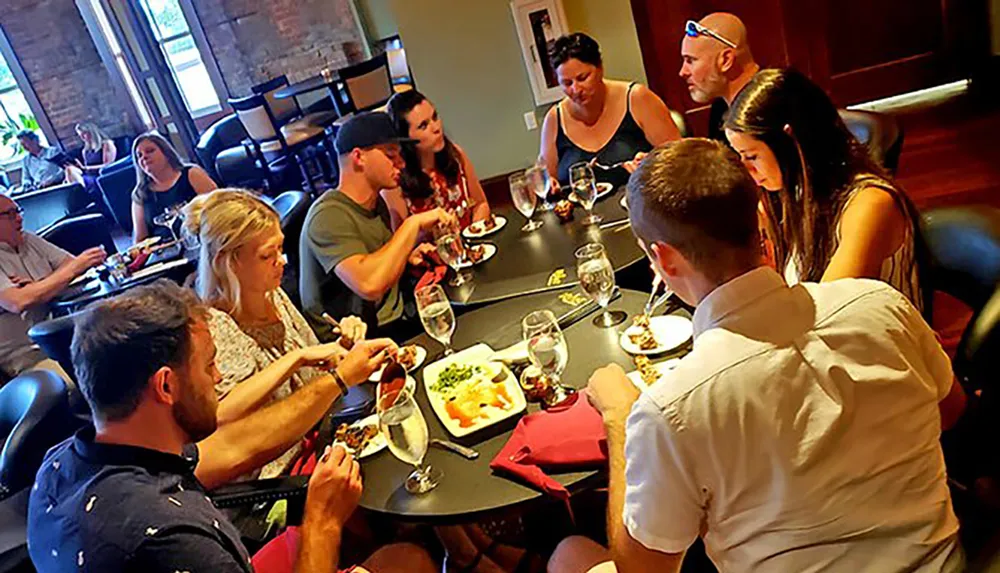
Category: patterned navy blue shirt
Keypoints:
(110, 508)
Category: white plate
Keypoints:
(473, 232)
(157, 268)
(374, 446)
(624, 202)
(661, 367)
(478, 354)
(669, 331)
(603, 190)
(491, 250)
(421, 356)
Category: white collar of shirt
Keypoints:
(734, 295)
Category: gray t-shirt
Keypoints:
(35, 260)
(337, 228)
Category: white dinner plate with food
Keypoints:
(603, 190)
(410, 357)
(486, 250)
(361, 438)
(468, 392)
(649, 373)
(482, 228)
(665, 334)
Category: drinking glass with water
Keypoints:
(405, 430)
(525, 199)
(597, 279)
(581, 178)
(452, 252)
(436, 315)
(547, 350)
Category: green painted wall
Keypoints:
(466, 58)
(377, 18)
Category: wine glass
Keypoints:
(168, 217)
(597, 279)
(524, 199)
(541, 183)
(405, 431)
(452, 252)
(581, 178)
(547, 350)
(436, 315)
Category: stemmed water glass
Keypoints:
(436, 315)
(541, 183)
(168, 217)
(581, 178)
(597, 279)
(405, 431)
(525, 199)
(547, 350)
(452, 252)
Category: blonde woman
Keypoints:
(98, 149)
(265, 349)
(162, 181)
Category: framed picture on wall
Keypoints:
(539, 23)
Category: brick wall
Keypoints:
(256, 40)
(58, 56)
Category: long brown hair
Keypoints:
(413, 181)
(141, 178)
(820, 161)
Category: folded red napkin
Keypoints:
(568, 436)
(432, 271)
(138, 262)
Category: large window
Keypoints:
(15, 114)
(174, 36)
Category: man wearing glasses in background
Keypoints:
(717, 64)
(33, 271)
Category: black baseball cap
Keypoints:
(367, 129)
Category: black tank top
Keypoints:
(157, 201)
(628, 140)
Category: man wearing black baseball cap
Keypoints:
(350, 262)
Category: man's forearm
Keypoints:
(376, 273)
(319, 548)
(17, 299)
(244, 445)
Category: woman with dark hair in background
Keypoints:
(162, 181)
(599, 119)
(835, 213)
(437, 173)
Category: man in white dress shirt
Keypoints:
(801, 432)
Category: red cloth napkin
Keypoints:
(139, 262)
(568, 436)
(431, 272)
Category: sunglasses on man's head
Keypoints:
(694, 29)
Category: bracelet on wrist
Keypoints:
(339, 381)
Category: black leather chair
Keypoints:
(881, 133)
(117, 181)
(76, 234)
(44, 207)
(54, 337)
(35, 415)
(222, 136)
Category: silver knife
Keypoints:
(463, 451)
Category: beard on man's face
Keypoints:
(196, 415)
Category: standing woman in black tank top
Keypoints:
(606, 120)
(162, 181)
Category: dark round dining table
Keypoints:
(469, 489)
(79, 295)
(525, 260)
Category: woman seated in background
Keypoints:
(98, 150)
(601, 120)
(830, 210)
(435, 172)
(162, 182)
(265, 349)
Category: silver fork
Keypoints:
(652, 295)
(594, 163)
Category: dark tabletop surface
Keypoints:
(309, 85)
(469, 489)
(524, 261)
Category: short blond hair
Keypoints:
(225, 220)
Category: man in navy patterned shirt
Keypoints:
(123, 495)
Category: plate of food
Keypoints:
(476, 254)
(468, 392)
(647, 373)
(656, 335)
(487, 226)
(603, 190)
(361, 438)
(410, 357)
